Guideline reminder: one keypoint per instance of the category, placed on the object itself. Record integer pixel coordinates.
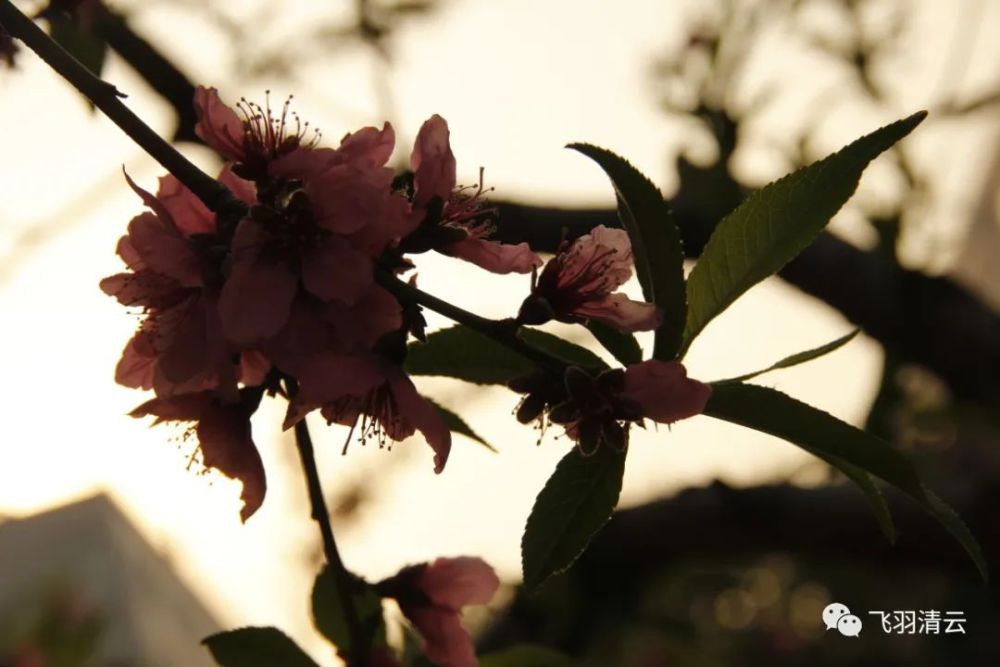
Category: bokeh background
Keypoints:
(731, 542)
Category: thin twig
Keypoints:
(317, 502)
(502, 331)
(107, 98)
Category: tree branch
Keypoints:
(154, 68)
(718, 525)
(106, 98)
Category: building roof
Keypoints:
(89, 548)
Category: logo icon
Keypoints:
(837, 616)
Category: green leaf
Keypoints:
(256, 647)
(82, 44)
(620, 344)
(576, 503)
(525, 655)
(462, 353)
(328, 613)
(656, 244)
(777, 414)
(776, 223)
(457, 425)
(796, 359)
(867, 486)
(562, 348)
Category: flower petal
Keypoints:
(622, 313)
(336, 270)
(164, 250)
(218, 125)
(421, 415)
(377, 312)
(181, 408)
(143, 288)
(369, 146)
(254, 367)
(330, 377)
(432, 162)
(187, 211)
(494, 256)
(345, 200)
(224, 433)
(446, 642)
(224, 436)
(609, 250)
(138, 363)
(456, 582)
(392, 221)
(257, 298)
(182, 341)
(302, 163)
(305, 335)
(663, 390)
(129, 254)
(242, 189)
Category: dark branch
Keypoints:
(721, 526)
(155, 69)
(107, 98)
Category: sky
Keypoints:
(515, 91)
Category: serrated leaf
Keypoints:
(328, 612)
(256, 647)
(621, 344)
(525, 655)
(574, 505)
(462, 353)
(777, 414)
(562, 348)
(796, 359)
(776, 223)
(458, 425)
(656, 244)
(867, 486)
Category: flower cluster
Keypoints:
(280, 295)
(578, 285)
(283, 299)
(283, 291)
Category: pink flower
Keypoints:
(315, 328)
(224, 437)
(599, 410)
(251, 136)
(174, 276)
(432, 595)
(579, 283)
(663, 391)
(368, 148)
(368, 391)
(329, 255)
(436, 199)
(322, 216)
